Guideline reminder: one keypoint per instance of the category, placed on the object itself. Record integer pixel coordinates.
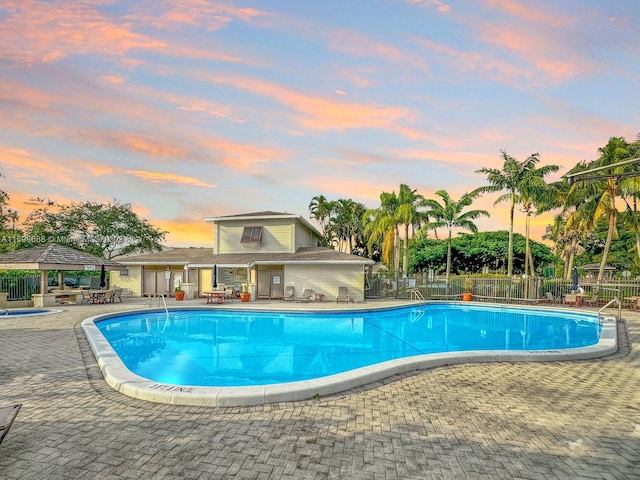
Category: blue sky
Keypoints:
(190, 109)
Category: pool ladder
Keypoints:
(160, 295)
(6, 312)
(417, 296)
(613, 300)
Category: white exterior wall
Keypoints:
(133, 281)
(326, 279)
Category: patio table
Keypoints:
(215, 296)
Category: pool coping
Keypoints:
(121, 379)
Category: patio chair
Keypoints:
(86, 296)
(288, 293)
(343, 295)
(306, 296)
(108, 296)
(228, 293)
(549, 298)
(117, 295)
(593, 301)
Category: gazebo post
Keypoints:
(44, 283)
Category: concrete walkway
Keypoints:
(556, 420)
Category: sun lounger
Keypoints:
(7, 416)
(306, 296)
(288, 294)
(342, 295)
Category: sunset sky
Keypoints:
(189, 109)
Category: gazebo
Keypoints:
(591, 270)
(54, 257)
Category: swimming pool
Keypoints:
(201, 356)
(5, 312)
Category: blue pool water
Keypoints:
(27, 312)
(240, 348)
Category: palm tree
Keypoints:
(630, 193)
(517, 178)
(383, 224)
(345, 225)
(449, 215)
(600, 193)
(380, 226)
(409, 216)
(321, 209)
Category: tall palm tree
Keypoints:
(409, 216)
(346, 224)
(515, 177)
(320, 209)
(381, 227)
(600, 193)
(630, 193)
(449, 214)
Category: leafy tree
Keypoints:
(621, 254)
(630, 192)
(449, 214)
(523, 182)
(8, 220)
(103, 230)
(383, 224)
(409, 216)
(380, 226)
(472, 252)
(601, 190)
(345, 225)
(321, 210)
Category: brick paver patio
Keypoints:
(556, 420)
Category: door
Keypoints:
(271, 284)
(155, 281)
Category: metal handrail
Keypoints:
(613, 300)
(159, 295)
(6, 312)
(165, 305)
(417, 295)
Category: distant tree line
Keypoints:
(585, 228)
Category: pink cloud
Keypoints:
(41, 32)
(160, 177)
(318, 113)
(440, 6)
(36, 32)
(359, 45)
(537, 15)
(194, 13)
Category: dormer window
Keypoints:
(251, 235)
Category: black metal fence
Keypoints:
(20, 286)
(498, 288)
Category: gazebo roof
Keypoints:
(54, 257)
(594, 266)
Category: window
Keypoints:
(251, 235)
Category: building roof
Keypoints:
(54, 257)
(594, 266)
(204, 257)
(264, 215)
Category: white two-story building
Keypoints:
(261, 252)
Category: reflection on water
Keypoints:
(227, 348)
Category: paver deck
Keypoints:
(555, 420)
